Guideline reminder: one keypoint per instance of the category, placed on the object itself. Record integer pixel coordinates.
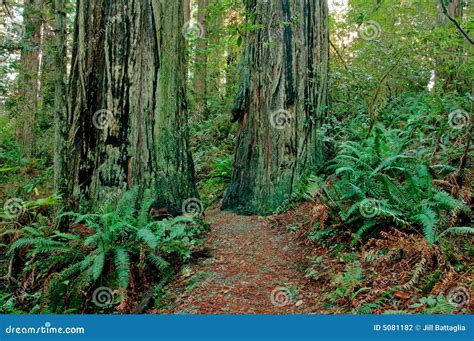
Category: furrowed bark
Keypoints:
(285, 70)
(128, 69)
(175, 168)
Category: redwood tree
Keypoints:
(200, 72)
(30, 71)
(126, 107)
(281, 103)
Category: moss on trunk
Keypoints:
(127, 113)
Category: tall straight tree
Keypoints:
(60, 81)
(200, 73)
(126, 111)
(281, 103)
(30, 71)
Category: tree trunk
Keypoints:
(200, 73)
(60, 115)
(30, 71)
(281, 103)
(447, 65)
(187, 10)
(127, 112)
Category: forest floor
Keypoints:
(252, 268)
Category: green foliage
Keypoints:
(434, 305)
(104, 249)
(379, 181)
(213, 185)
(389, 135)
(347, 282)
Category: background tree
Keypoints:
(281, 103)
(31, 54)
(127, 112)
(187, 10)
(200, 72)
(458, 46)
(60, 80)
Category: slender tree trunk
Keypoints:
(200, 73)
(446, 64)
(30, 71)
(187, 10)
(281, 103)
(127, 113)
(60, 113)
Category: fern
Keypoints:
(148, 237)
(458, 230)
(122, 262)
(119, 233)
(382, 168)
(364, 228)
(157, 261)
(98, 265)
(428, 218)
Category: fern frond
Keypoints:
(428, 219)
(148, 237)
(458, 230)
(445, 200)
(98, 264)
(158, 261)
(145, 204)
(126, 206)
(364, 228)
(122, 263)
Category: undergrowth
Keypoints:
(391, 210)
(120, 247)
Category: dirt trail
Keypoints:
(252, 269)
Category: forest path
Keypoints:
(252, 269)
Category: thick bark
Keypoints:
(30, 72)
(127, 114)
(284, 75)
(175, 168)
